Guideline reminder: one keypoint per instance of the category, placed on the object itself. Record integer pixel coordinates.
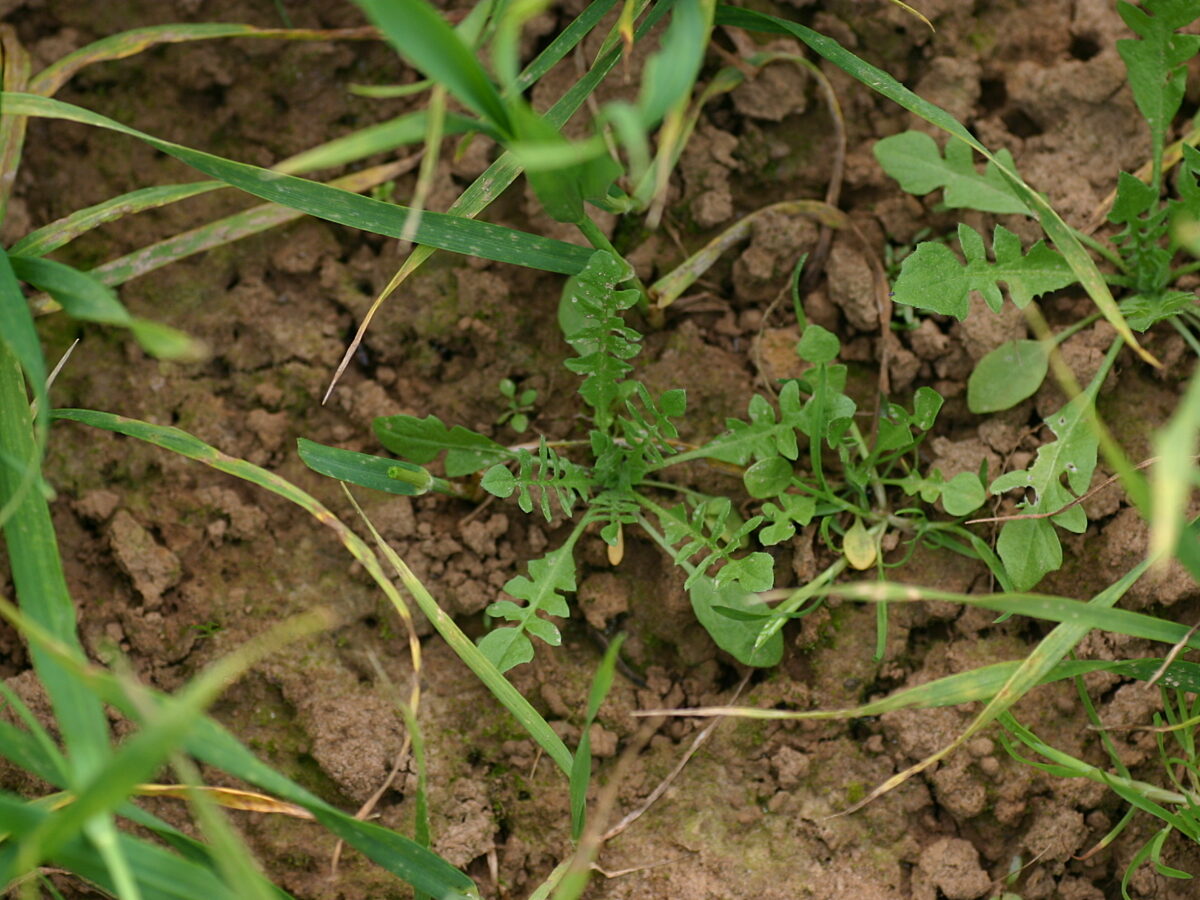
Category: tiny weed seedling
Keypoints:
(520, 405)
(1143, 256)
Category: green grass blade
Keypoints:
(876, 79)
(211, 744)
(581, 769)
(158, 873)
(441, 230)
(36, 569)
(143, 753)
(19, 337)
(501, 688)
(398, 132)
(1174, 473)
(969, 687)
(1079, 616)
(501, 174)
(671, 73)
(30, 752)
(63, 231)
(422, 36)
(226, 230)
(130, 43)
(14, 70)
(391, 850)
(86, 297)
(1048, 653)
(564, 42)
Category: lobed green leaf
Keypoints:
(549, 578)
(913, 159)
(933, 278)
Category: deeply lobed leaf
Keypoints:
(542, 592)
(933, 278)
(589, 315)
(913, 159)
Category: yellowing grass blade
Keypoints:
(130, 43)
(15, 74)
(230, 798)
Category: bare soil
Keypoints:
(177, 564)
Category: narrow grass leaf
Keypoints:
(37, 573)
(671, 72)
(209, 743)
(564, 42)
(422, 36)
(142, 753)
(178, 441)
(504, 171)
(972, 686)
(14, 70)
(581, 769)
(229, 229)
(1174, 473)
(62, 231)
(441, 230)
(399, 132)
(86, 297)
(17, 331)
(135, 41)
(159, 874)
(502, 689)
(672, 285)
(1074, 626)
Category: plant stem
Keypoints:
(1077, 327)
(661, 539)
(1187, 269)
(800, 596)
(1187, 335)
(872, 473)
(1104, 250)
